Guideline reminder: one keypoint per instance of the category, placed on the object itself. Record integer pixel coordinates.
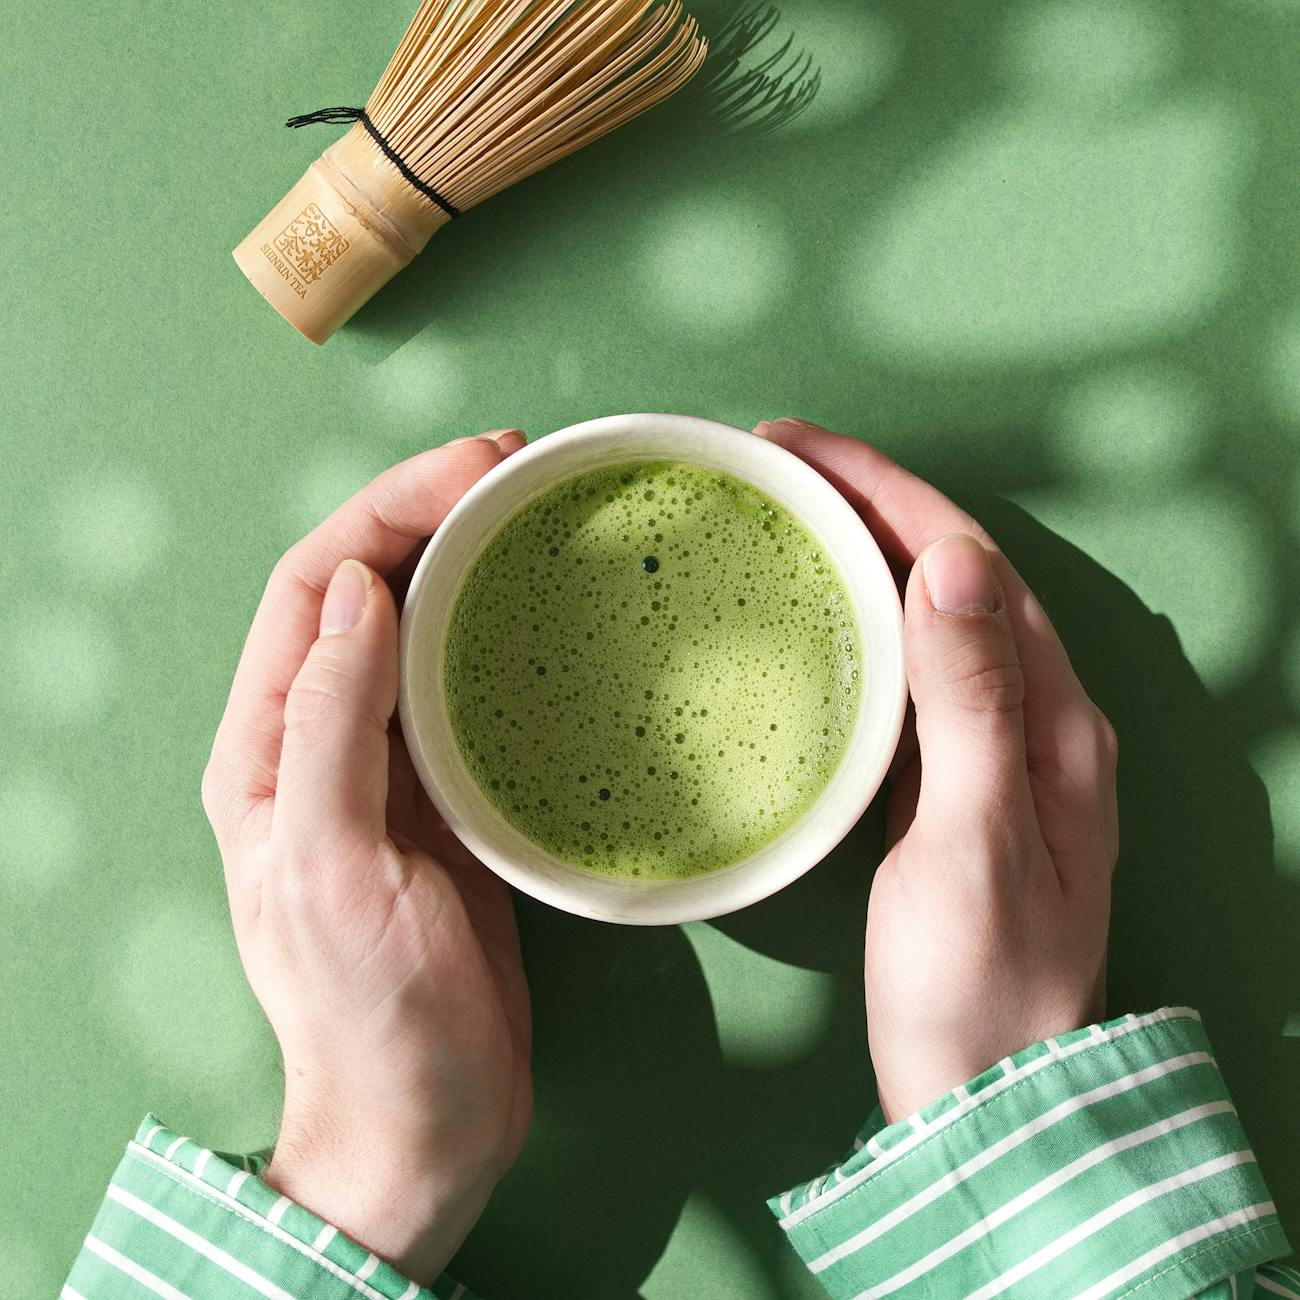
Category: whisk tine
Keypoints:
(477, 95)
(528, 104)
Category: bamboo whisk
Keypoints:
(478, 95)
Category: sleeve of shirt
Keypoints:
(186, 1223)
(1105, 1162)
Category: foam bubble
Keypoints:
(652, 670)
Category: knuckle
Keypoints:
(211, 787)
(319, 694)
(218, 790)
(1107, 742)
(292, 567)
(980, 686)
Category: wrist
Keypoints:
(390, 1197)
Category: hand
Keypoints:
(384, 955)
(986, 929)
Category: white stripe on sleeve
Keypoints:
(1126, 1205)
(1268, 1284)
(1175, 1244)
(1031, 1129)
(199, 1245)
(136, 1272)
(1044, 1187)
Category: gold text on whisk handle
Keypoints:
(344, 230)
(286, 271)
(306, 248)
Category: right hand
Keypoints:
(986, 928)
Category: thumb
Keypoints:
(966, 683)
(333, 778)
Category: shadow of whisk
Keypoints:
(763, 96)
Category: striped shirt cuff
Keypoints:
(1101, 1163)
(186, 1223)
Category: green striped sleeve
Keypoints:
(1106, 1162)
(185, 1223)
(1275, 1280)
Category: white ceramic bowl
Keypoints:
(461, 539)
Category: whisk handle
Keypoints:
(340, 234)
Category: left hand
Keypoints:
(384, 955)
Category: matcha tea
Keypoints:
(652, 671)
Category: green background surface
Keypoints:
(1045, 254)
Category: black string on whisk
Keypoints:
(341, 114)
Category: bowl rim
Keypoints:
(577, 890)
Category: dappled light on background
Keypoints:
(1044, 250)
(170, 960)
(41, 833)
(334, 473)
(1291, 670)
(1282, 369)
(63, 666)
(713, 264)
(569, 372)
(109, 527)
(1191, 553)
(1091, 53)
(27, 1269)
(1141, 419)
(858, 52)
(704, 1230)
(820, 68)
(767, 1012)
(1277, 761)
(1031, 239)
(757, 80)
(418, 388)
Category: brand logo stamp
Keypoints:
(306, 248)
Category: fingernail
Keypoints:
(765, 428)
(345, 598)
(959, 576)
(495, 435)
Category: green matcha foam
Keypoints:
(652, 670)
